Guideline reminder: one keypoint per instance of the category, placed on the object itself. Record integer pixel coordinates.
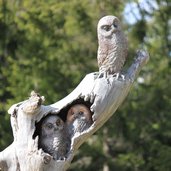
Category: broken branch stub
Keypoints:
(102, 97)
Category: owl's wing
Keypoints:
(102, 59)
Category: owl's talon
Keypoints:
(100, 75)
(123, 77)
(116, 75)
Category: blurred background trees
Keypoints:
(49, 46)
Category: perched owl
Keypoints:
(53, 137)
(79, 118)
(112, 50)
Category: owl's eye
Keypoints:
(49, 126)
(81, 113)
(115, 24)
(106, 27)
(58, 122)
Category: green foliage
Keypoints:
(49, 46)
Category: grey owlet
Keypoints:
(79, 118)
(53, 137)
(112, 50)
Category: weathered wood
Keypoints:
(105, 96)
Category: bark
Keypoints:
(102, 95)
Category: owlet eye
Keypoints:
(49, 126)
(81, 113)
(58, 122)
(106, 27)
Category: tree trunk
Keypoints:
(102, 96)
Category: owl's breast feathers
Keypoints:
(60, 143)
(112, 54)
(78, 126)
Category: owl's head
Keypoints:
(108, 26)
(51, 125)
(78, 111)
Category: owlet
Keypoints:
(79, 118)
(112, 50)
(53, 137)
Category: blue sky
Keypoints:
(132, 13)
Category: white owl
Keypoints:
(53, 138)
(112, 50)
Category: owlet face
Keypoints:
(78, 111)
(108, 26)
(52, 125)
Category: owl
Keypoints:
(79, 118)
(53, 137)
(112, 50)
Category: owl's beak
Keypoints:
(75, 116)
(114, 29)
(56, 129)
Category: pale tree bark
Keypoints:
(103, 96)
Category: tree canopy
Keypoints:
(49, 46)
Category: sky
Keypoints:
(131, 12)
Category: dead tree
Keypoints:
(101, 95)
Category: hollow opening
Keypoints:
(62, 114)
